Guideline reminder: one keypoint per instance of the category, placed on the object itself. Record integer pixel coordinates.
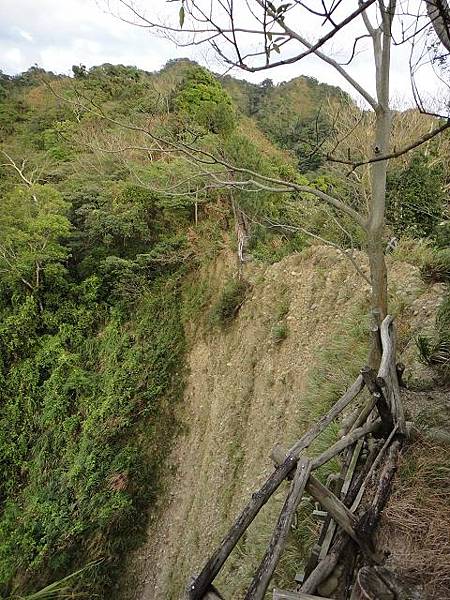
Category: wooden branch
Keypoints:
(342, 403)
(341, 514)
(369, 520)
(344, 517)
(370, 379)
(344, 442)
(198, 587)
(331, 61)
(427, 137)
(312, 48)
(364, 414)
(387, 357)
(358, 481)
(341, 489)
(376, 462)
(326, 566)
(369, 586)
(387, 374)
(261, 580)
(351, 469)
(285, 595)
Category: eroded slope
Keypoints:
(247, 390)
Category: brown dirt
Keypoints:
(244, 394)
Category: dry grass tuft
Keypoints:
(416, 526)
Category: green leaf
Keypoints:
(276, 48)
(269, 36)
(181, 16)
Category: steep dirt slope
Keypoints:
(246, 392)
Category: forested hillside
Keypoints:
(106, 240)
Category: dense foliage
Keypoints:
(99, 267)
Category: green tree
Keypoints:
(201, 97)
(33, 227)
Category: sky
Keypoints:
(56, 34)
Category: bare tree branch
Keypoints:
(425, 138)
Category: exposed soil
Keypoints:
(244, 394)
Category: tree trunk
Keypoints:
(439, 14)
(375, 233)
(381, 39)
(378, 273)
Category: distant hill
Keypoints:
(293, 113)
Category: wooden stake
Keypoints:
(344, 442)
(261, 580)
(198, 587)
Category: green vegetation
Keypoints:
(416, 197)
(203, 99)
(104, 252)
(230, 301)
(279, 332)
(437, 267)
(435, 350)
(96, 287)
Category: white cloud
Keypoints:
(26, 36)
(13, 56)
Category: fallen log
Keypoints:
(261, 580)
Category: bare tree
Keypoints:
(257, 35)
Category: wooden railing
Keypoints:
(350, 513)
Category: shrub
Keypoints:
(415, 200)
(279, 332)
(437, 268)
(230, 301)
(435, 350)
(202, 98)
